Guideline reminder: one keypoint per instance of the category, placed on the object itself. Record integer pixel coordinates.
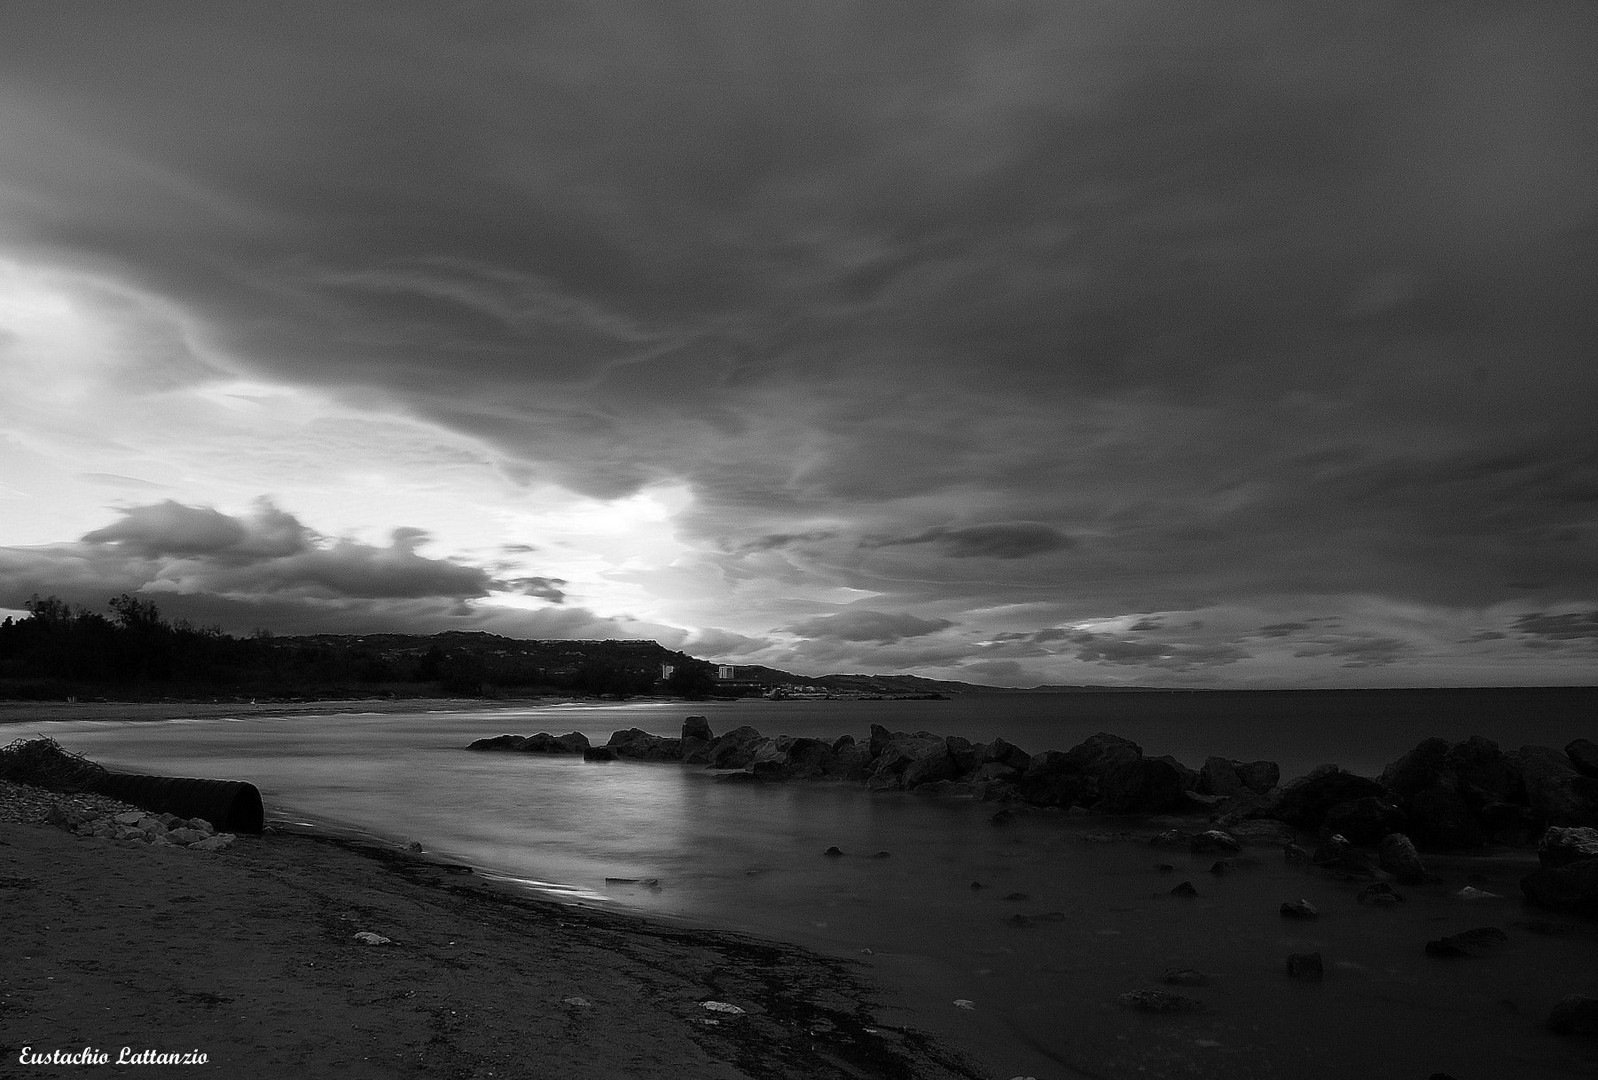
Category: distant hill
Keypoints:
(905, 684)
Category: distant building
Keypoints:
(666, 670)
(726, 672)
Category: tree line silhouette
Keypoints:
(60, 651)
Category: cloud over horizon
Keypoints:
(796, 332)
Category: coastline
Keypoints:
(249, 956)
(27, 712)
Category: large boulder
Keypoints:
(1002, 752)
(574, 742)
(637, 744)
(696, 739)
(1228, 777)
(1189, 777)
(1572, 887)
(894, 758)
(1364, 821)
(1556, 792)
(732, 750)
(1583, 754)
(498, 742)
(1561, 846)
(1423, 767)
(1483, 773)
(1259, 776)
(1051, 779)
(1141, 786)
(1398, 857)
(1303, 803)
(1440, 817)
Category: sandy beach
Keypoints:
(249, 957)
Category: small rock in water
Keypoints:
(880, 855)
(1470, 892)
(1300, 909)
(833, 852)
(964, 1003)
(579, 1002)
(721, 1007)
(1017, 896)
(1214, 840)
(366, 937)
(1467, 942)
(1294, 855)
(414, 847)
(1166, 868)
(975, 885)
(1575, 1015)
(1379, 893)
(1185, 889)
(1224, 866)
(1305, 966)
(1185, 977)
(1002, 817)
(1159, 1001)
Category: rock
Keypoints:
(599, 753)
(366, 937)
(894, 757)
(1563, 845)
(1303, 803)
(1423, 767)
(1583, 755)
(1219, 776)
(1294, 855)
(1557, 793)
(635, 744)
(1470, 892)
(1440, 817)
(213, 843)
(1299, 909)
(1576, 1014)
(1572, 887)
(1171, 838)
(1189, 777)
(1186, 889)
(1229, 866)
(721, 1007)
(1305, 966)
(1185, 977)
(1075, 777)
(1397, 855)
(1140, 786)
(833, 852)
(1159, 1001)
(1051, 779)
(1262, 832)
(1259, 776)
(1379, 894)
(498, 742)
(1338, 854)
(1365, 820)
(734, 749)
(186, 836)
(1484, 774)
(697, 727)
(1468, 942)
(1007, 754)
(1213, 841)
(128, 817)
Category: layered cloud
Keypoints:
(928, 333)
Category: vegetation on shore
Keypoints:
(60, 651)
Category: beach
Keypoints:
(1023, 976)
(246, 962)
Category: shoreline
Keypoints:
(249, 956)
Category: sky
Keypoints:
(1113, 343)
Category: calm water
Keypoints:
(1043, 995)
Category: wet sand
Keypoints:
(249, 957)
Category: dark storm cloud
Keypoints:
(1574, 626)
(1017, 540)
(862, 624)
(238, 570)
(545, 588)
(1265, 299)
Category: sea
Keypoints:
(1012, 942)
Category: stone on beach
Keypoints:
(1159, 1001)
(1397, 856)
(1576, 1014)
(1299, 909)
